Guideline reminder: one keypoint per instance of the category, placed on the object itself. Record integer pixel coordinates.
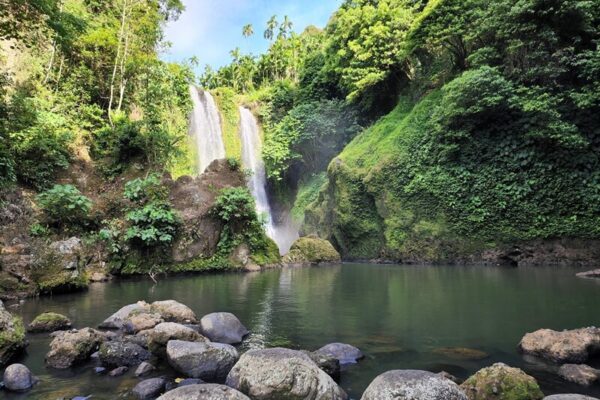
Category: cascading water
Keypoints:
(205, 126)
(283, 234)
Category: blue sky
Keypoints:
(209, 29)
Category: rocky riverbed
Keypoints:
(202, 352)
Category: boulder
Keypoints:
(501, 382)
(18, 378)
(118, 371)
(149, 388)
(137, 322)
(204, 360)
(412, 385)
(579, 373)
(327, 363)
(311, 250)
(12, 336)
(72, 347)
(172, 311)
(223, 327)
(574, 346)
(569, 397)
(345, 353)
(190, 381)
(203, 392)
(120, 353)
(117, 320)
(49, 322)
(280, 373)
(69, 251)
(595, 273)
(144, 369)
(159, 336)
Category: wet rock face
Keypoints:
(574, 346)
(18, 378)
(279, 373)
(207, 361)
(72, 347)
(223, 328)
(412, 385)
(579, 373)
(119, 353)
(49, 322)
(12, 334)
(501, 382)
(203, 392)
(345, 353)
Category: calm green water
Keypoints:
(398, 316)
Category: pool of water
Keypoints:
(398, 316)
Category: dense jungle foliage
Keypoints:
(492, 136)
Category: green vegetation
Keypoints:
(63, 205)
(311, 249)
(230, 121)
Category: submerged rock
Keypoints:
(461, 353)
(12, 336)
(159, 336)
(72, 347)
(18, 378)
(119, 353)
(118, 371)
(149, 388)
(173, 311)
(49, 322)
(208, 361)
(345, 353)
(223, 327)
(311, 250)
(203, 392)
(579, 373)
(595, 273)
(501, 382)
(280, 373)
(412, 385)
(574, 346)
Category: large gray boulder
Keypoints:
(149, 388)
(120, 353)
(72, 347)
(13, 336)
(345, 353)
(204, 360)
(203, 392)
(18, 378)
(142, 321)
(579, 373)
(223, 327)
(278, 373)
(158, 337)
(173, 311)
(117, 320)
(574, 346)
(412, 385)
(326, 362)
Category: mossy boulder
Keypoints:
(49, 322)
(12, 336)
(312, 250)
(501, 382)
(55, 272)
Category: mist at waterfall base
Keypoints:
(284, 234)
(205, 127)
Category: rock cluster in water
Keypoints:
(142, 337)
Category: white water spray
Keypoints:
(205, 126)
(283, 234)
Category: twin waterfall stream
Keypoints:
(205, 127)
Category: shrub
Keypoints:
(65, 205)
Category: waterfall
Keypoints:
(205, 126)
(283, 234)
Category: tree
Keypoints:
(271, 26)
(247, 30)
(285, 28)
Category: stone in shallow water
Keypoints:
(579, 373)
(144, 369)
(49, 322)
(223, 327)
(345, 353)
(590, 274)
(461, 353)
(173, 311)
(574, 346)
(118, 371)
(327, 363)
(117, 320)
(208, 361)
(161, 334)
(506, 383)
(119, 353)
(412, 385)
(18, 378)
(280, 373)
(149, 388)
(69, 348)
(203, 392)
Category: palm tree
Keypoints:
(247, 30)
(286, 27)
(271, 25)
